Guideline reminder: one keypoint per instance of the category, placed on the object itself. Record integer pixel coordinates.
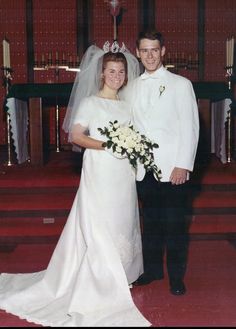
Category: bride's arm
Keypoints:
(79, 137)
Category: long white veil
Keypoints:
(87, 80)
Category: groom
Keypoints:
(165, 110)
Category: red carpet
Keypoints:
(210, 280)
(29, 195)
(63, 169)
(35, 201)
(34, 205)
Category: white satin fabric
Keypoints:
(99, 252)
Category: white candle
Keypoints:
(232, 51)
(6, 54)
(227, 53)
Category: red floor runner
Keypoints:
(210, 280)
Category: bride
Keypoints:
(99, 251)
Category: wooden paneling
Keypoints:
(36, 131)
(177, 20)
(220, 23)
(128, 23)
(38, 27)
(12, 26)
(204, 145)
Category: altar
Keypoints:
(25, 105)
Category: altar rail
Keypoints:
(24, 102)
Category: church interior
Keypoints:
(43, 43)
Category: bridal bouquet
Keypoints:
(126, 141)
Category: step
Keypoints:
(58, 202)
(31, 226)
(212, 224)
(214, 202)
(41, 230)
(36, 204)
(30, 230)
(29, 177)
(48, 226)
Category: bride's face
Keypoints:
(114, 75)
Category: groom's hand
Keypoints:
(178, 176)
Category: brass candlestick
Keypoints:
(7, 83)
(229, 73)
(47, 64)
(229, 137)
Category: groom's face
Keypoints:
(150, 52)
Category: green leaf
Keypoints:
(109, 144)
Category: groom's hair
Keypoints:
(150, 34)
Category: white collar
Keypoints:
(155, 75)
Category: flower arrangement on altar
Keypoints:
(125, 141)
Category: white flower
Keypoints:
(125, 140)
(116, 125)
(161, 90)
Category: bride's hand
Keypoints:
(115, 154)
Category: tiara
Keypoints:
(114, 48)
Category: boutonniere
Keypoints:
(161, 90)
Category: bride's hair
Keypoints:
(88, 79)
(118, 58)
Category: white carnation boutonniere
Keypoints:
(161, 90)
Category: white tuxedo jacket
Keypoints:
(164, 108)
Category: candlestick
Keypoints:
(57, 59)
(50, 59)
(114, 10)
(114, 28)
(7, 82)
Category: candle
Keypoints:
(226, 52)
(77, 61)
(232, 51)
(57, 58)
(229, 52)
(6, 54)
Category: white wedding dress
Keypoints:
(99, 252)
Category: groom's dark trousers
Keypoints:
(164, 227)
